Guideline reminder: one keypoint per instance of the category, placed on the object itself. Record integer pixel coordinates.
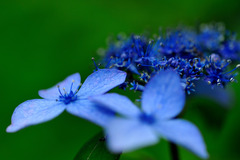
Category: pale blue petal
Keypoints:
(124, 135)
(223, 96)
(117, 103)
(164, 95)
(88, 110)
(34, 111)
(53, 93)
(183, 133)
(101, 81)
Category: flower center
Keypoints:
(67, 97)
(149, 119)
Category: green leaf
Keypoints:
(95, 149)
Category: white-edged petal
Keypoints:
(124, 135)
(33, 112)
(164, 95)
(101, 81)
(184, 134)
(118, 103)
(88, 110)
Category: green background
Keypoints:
(44, 41)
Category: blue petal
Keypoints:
(164, 95)
(129, 134)
(223, 96)
(117, 103)
(53, 93)
(88, 110)
(183, 133)
(34, 111)
(101, 81)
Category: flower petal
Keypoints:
(164, 95)
(101, 81)
(223, 96)
(88, 110)
(117, 103)
(183, 133)
(53, 93)
(34, 111)
(129, 134)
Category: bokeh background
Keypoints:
(44, 41)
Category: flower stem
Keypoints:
(174, 151)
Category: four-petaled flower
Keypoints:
(68, 95)
(162, 100)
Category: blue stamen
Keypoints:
(59, 90)
(108, 64)
(95, 63)
(71, 86)
(238, 66)
(67, 97)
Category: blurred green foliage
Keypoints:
(96, 149)
(44, 41)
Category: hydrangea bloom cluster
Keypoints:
(163, 68)
(203, 54)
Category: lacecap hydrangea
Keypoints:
(203, 54)
(165, 68)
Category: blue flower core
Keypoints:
(149, 119)
(67, 98)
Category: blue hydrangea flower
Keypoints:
(230, 50)
(190, 52)
(67, 95)
(211, 37)
(162, 100)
